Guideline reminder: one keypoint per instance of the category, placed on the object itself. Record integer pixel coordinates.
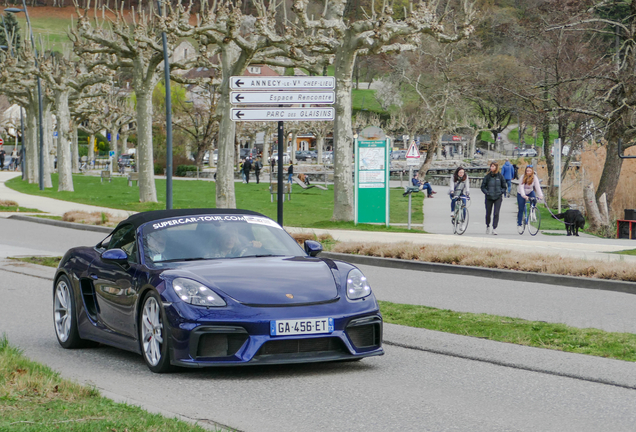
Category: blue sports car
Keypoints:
(214, 287)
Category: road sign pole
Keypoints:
(281, 195)
(410, 177)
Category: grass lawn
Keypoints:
(307, 208)
(35, 398)
(627, 252)
(620, 346)
(365, 100)
(18, 209)
(40, 260)
(513, 136)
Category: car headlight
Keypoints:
(193, 292)
(357, 285)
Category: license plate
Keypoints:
(301, 326)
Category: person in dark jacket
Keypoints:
(290, 172)
(247, 166)
(494, 187)
(508, 172)
(258, 166)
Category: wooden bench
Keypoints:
(133, 177)
(106, 175)
(273, 190)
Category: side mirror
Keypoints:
(312, 248)
(116, 256)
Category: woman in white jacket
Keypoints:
(529, 188)
(459, 187)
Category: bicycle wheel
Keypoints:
(534, 221)
(522, 228)
(461, 226)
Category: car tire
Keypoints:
(153, 337)
(65, 315)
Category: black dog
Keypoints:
(574, 220)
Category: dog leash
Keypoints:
(554, 216)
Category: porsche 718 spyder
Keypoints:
(213, 287)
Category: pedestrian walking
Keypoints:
(508, 172)
(2, 154)
(459, 188)
(242, 170)
(290, 172)
(14, 158)
(494, 187)
(258, 166)
(247, 166)
(529, 188)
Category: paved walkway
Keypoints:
(437, 222)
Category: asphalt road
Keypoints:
(405, 390)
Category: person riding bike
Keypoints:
(459, 188)
(528, 185)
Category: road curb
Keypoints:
(512, 275)
(62, 224)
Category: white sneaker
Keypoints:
(487, 230)
(494, 232)
(452, 214)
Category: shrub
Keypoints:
(159, 169)
(183, 169)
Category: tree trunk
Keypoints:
(48, 145)
(320, 145)
(473, 144)
(74, 148)
(145, 158)
(436, 138)
(225, 195)
(591, 207)
(343, 135)
(32, 143)
(292, 148)
(113, 143)
(64, 168)
(91, 148)
(604, 209)
(611, 170)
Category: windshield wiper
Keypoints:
(183, 259)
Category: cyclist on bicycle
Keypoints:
(529, 189)
(459, 187)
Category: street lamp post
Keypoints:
(166, 70)
(41, 128)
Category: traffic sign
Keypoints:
(413, 152)
(282, 83)
(111, 153)
(282, 97)
(1, 141)
(282, 114)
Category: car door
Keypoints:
(115, 285)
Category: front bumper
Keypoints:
(216, 338)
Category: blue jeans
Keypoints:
(289, 177)
(427, 186)
(454, 200)
(509, 185)
(522, 205)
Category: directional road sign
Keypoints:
(282, 114)
(282, 83)
(282, 97)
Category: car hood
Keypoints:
(267, 280)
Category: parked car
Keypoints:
(398, 154)
(530, 152)
(125, 160)
(304, 155)
(286, 158)
(213, 287)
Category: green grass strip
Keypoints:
(40, 260)
(626, 252)
(19, 209)
(619, 346)
(35, 398)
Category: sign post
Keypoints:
(372, 176)
(557, 167)
(281, 91)
(412, 159)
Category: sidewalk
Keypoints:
(49, 205)
(436, 222)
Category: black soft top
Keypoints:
(139, 219)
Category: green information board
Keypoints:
(372, 177)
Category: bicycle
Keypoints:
(531, 218)
(460, 218)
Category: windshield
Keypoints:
(201, 237)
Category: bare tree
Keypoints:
(376, 32)
(138, 48)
